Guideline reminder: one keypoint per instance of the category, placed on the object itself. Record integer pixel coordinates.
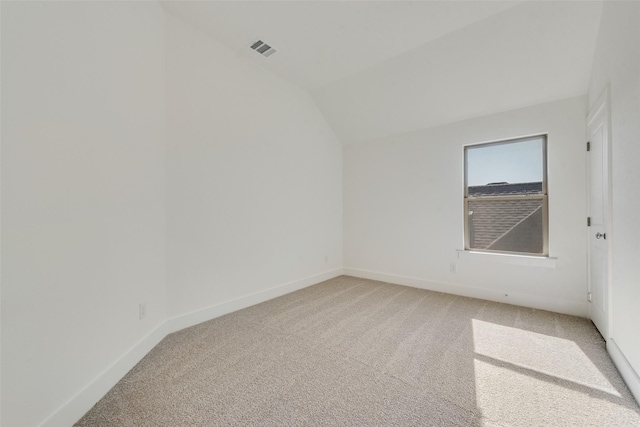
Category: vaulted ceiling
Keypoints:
(379, 68)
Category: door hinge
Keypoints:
(588, 221)
(589, 296)
(588, 146)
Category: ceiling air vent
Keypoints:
(263, 49)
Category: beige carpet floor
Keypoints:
(351, 351)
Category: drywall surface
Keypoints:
(83, 223)
(617, 65)
(403, 210)
(254, 173)
(526, 55)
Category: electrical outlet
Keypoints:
(143, 310)
(326, 259)
(453, 267)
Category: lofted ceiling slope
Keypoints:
(319, 42)
(379, 68)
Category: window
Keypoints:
(505, 197)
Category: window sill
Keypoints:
(534, 261)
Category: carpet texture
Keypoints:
(358, 352)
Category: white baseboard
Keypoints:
(189, 319)
(629, 375)
(72, 410)
(524, 300)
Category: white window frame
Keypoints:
(544, 196)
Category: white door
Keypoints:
(599, 237)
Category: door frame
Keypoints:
(602, 106)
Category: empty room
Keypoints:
(349, 213)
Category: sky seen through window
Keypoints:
(514, 162)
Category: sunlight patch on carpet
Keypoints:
(550, 356)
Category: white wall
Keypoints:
(617, 64)
(254, 173)
(83, 222)
(253, 205)
(404, 209)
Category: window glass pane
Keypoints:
(506, 225)
(512, 162)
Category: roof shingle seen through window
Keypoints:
(506, 189)
(506, 225)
